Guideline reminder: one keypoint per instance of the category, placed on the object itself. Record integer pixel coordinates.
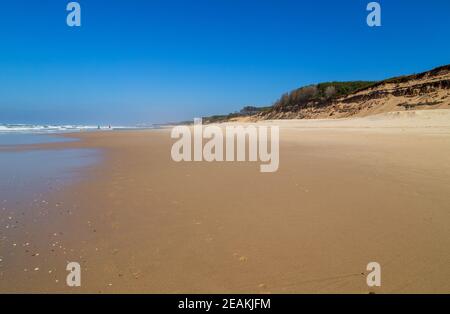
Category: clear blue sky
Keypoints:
(140, 61)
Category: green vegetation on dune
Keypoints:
(297, 98)
(342, 88)
(246, 111)
(320, 92)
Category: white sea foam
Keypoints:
(33, 128)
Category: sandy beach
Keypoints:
(347, 192)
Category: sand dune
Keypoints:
(429, 90)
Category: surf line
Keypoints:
(235, 148)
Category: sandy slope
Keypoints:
(424, 91)
(412, 121)
(348, 192)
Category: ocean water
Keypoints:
(12, 139)
(27, 174)
(49, 129)
(41, 128)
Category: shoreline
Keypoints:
(140, 222)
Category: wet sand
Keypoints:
(347, 193)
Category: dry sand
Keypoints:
(348, 192)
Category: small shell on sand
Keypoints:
(243, 259)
